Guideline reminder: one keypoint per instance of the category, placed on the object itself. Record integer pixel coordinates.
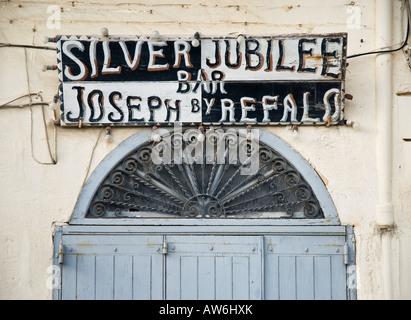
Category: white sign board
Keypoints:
(141, 81)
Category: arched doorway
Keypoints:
(225, 215)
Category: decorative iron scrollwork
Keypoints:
(204, 179)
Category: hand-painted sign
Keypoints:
(259, 80)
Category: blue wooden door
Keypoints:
(204, 267)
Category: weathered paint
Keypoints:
(139, 81)
(127, 264)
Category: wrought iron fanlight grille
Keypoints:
(220, 174)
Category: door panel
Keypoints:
(214, 267)
(112, 267)
(305, 267)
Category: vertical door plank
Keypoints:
(123, 277)
(142, 279)
(256, 264)
(241, 278)
(86, 279)
(189, 277)
(271, 279)
(305, 277)
(224, 278)
(157, 277)
(206, 278)
(287, 277)
(322, 275)
(104, 277)
(69, 278)
(173, 275)
(339, 278)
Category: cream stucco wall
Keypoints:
(35, 196)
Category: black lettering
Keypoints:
(201, 76)
(217, 77)
(216, 57)
(112, 102)
(327, 54)
(302, 53)
(228, 54)
(91, 105)
(130, 108)
(195, 105)
(269, 57)
(281, 58)
(176, 109)
(154, 103)
(255, 51)
(183, 85)
(80, 105)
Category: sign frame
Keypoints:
(272, 85)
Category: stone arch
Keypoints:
(142, 178)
